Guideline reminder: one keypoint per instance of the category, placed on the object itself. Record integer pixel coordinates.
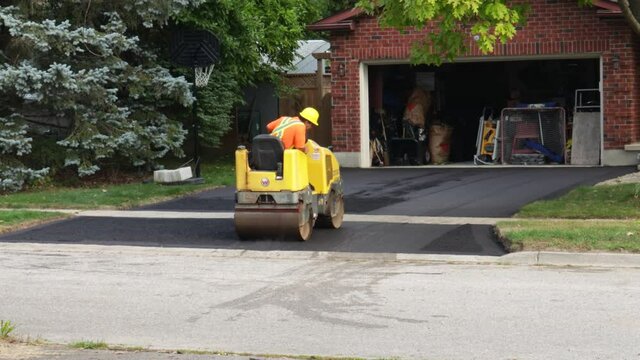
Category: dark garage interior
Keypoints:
(449, 114)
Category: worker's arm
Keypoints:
(272, 125)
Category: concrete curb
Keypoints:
(549, 258)
(606, 260)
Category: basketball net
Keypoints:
(202, 75)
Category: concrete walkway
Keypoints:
(387, 219)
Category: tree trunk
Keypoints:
(631, 12)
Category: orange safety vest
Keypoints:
(290, 130)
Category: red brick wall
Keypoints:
(554, 27)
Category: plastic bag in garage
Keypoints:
(440, 143)
(417, 108)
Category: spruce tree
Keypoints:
(91, 70)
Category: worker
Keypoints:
(293, 130)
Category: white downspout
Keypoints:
(364, 117)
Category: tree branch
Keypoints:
(86, 13)
(628, 14)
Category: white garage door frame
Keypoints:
(362, 159)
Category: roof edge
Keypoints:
(607, 5)
(341, 26)
(342, 21)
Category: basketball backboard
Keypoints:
(194, 48)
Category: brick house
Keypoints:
(561, 48)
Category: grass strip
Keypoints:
(251, 355)
(116, 196)
(101, 345)
(570, 235)
(16, 219)
(89, 345)
(595, 202)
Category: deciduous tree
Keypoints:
(486, 21)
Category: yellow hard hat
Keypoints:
(310, 114)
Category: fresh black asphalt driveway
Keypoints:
(447, 192)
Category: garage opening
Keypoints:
(487, 113)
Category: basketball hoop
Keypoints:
(200, 50)
(202, 74)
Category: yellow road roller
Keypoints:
(285, 193)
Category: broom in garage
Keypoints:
(385, 147)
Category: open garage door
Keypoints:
(492, 112)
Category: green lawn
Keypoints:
(554, 225)
(117, 196)
(596, 202)
(571, 235)
(14, 219)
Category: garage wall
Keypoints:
(555, 28)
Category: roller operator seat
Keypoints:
(267, 153)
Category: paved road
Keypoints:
(184, 298)
(476, 192)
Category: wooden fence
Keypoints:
(309, 92)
